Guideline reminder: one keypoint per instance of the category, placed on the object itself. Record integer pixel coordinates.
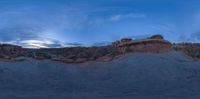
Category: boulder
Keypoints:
(157, 37)
(104, 59)
(80, 60)
(71, 57)
(20, 59)
(126, 40)
(67, 60)
(7, 57)
(115, 44)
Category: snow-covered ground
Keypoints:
(140, 76)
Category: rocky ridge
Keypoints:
(154, 44)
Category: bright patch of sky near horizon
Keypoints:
(59, 23)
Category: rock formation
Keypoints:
(157, 37)
(191, 49)
(7, 48)
(154, 44)
(8, 51)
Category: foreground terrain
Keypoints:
(171, 75)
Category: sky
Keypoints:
(63, 23)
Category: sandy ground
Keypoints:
(139, 76)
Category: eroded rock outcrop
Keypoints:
(157, 37)
(8, 51)
(154, 44)
(191, 49)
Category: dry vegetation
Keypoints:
(191, 49)
(155, 44)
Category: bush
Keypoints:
(44, 55)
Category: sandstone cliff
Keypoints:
(154, 44)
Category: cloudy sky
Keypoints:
(59, 23)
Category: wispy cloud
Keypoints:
(47, 43)
(125, 16)
(101, 44)
(19, 33)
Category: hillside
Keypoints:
(170, 75)
(154, 44)
(190, 49)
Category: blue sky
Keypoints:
(59, 23)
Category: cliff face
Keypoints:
(154, 44)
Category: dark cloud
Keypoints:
(46, 43)
(73, 44)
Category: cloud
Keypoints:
(195, 37)
(126, 16)
(42, 43)
(72, 44)
(17, 35)
(101, 44)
